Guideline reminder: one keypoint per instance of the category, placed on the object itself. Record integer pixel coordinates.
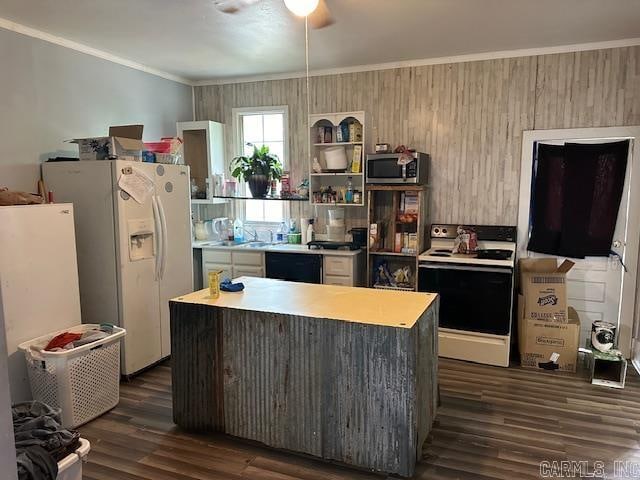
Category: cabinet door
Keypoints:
(247, 271)
(253, 259)
(210, 266)
(336, 280)
(336, 265)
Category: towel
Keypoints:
(227, 286)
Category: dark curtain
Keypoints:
(576, 196)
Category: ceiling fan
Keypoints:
(316, 11)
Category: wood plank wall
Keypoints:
(468, 116)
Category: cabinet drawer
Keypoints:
(210, 266)
(248, 258)
(335, 280)
(247, 271)
(337, 265)
(216, 256)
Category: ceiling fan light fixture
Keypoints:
(301, 8)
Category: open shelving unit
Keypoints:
(203, 144)
(331, 123)
(393, 214)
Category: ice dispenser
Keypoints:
(141, 244)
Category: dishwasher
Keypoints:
(294, 267)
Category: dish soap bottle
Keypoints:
(349, 195)
(238, 231)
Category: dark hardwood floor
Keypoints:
(493, 423)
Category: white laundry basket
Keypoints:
(70, 467)
(84, 382)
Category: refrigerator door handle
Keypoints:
(165, 237)
(158, 228)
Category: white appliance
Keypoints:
(476, 293)
(133, 256)
(38, 280)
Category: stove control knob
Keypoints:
(436, 230)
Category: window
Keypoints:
(263, 126)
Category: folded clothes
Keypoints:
(228, 286)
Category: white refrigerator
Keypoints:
(38, 281)
(134, 249)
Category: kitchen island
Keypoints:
(341, 373)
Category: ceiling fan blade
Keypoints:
(321, 16)
(232, 6)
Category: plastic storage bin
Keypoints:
(70, 467)
(84, 382)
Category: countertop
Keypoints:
(282, 248)
(352, 304)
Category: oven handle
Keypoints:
(506, 270)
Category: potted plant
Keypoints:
(258, 170)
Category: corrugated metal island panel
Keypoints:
(359, 394)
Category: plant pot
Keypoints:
(259, 185)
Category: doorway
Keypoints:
(599, 287)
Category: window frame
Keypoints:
(238, 142)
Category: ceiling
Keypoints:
(193, 40)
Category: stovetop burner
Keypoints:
(440, 254)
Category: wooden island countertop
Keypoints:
(344, 374)
(369, 306)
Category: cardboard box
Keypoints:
(543, 344)
(123, 143)
(543, 285)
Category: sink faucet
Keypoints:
(254, 234)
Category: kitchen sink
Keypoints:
(224, 243)
(256, 244)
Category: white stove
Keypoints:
(476, 292)
(441, 249)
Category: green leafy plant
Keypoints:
(261, 162)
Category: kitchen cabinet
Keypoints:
(344, 270)
(233, 264)
(337, 280)
(203, 144)
(354, 148)
(227, 271)
(332, 350)
(325, 266)
(247, 271)
(255, 259)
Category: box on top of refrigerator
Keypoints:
(543, 287)
(123, 143)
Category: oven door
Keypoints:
(386, 170)
(472, 298)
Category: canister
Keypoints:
(214, 283)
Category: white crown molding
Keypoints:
(473, 57)
(526, 52)
(79, 47)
